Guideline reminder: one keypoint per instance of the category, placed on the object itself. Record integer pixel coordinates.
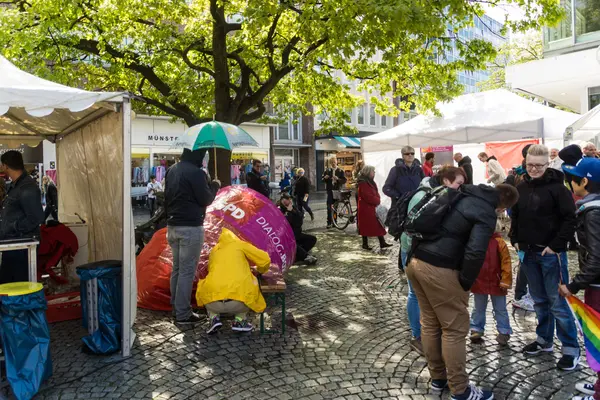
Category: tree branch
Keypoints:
(260, 110)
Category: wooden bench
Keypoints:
(274, 294)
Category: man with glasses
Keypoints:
(543, 222)
(405, 176)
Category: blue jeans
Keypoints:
(544, 275)
(412, 304)
(500, 313)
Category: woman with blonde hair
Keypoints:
(302, 192)
(368, 200)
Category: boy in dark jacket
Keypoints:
(304, 242)
(187, 194)
(543, 222)
(256, 180)
(494, 280)
(585, 179)
(442, 271)
(404, 177)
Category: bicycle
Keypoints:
(342, 212)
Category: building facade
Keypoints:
(569, 73)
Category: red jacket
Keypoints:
(368, 200)
(495, 277)
(427, 169)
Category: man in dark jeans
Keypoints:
(187, 194)
(304, 242)
(256, 180)
(543, 222)
(21, 216)
(334, 179)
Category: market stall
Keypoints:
(93, 144)
(468, 123)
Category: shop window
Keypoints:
(594, 97)
(372, 116)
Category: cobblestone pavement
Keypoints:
(347, 337)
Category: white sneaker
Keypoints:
(585, 388)
(583, 398)
(310, 260)
(526, 303)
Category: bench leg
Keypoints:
(283, 314)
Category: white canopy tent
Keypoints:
(495, 115)
(92, 132)
(586, 128)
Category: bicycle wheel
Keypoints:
(341, 214)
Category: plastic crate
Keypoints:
(63, 307)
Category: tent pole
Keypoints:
(541, 129)
(127, 261)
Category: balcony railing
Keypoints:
(580, 27)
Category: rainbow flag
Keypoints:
(589, 323)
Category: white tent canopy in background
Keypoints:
(92, 131)
(587, 127)
(491, 116)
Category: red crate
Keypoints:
(63, 307)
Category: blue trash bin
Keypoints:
(25, 337)
(101, 294)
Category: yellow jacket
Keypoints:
(229, 275)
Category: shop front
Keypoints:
(346, 150)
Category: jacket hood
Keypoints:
(400, 163)
(195, 157)
(465, 160)
(590, 201)
(227, 237)
(550, 176)
(484, 192)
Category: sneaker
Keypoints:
(193, 319)
(502, 339)
(474, 393)
(310, 260)
(476, 336)
(536, 348)
(585, 388)
(329, 226)
(241, 326)
(215, 324)
(567, 363)
(416, 345)
(526, 303)
(438, 386)
(582, 398)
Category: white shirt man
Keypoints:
(555, 161)
(153, 188)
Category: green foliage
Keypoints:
(232, 58)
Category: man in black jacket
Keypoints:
(465, 164)
(304, 242)
(442, 271)
(187, 194)
(543, 222)
(256, 180)
(21, 216)
(51, 199)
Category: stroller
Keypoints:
(144, 232)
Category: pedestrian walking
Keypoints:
(543, 222)
(466, 165)
(334, 179)
(493, 282)
(585, 179)
(448, 176)
(20, 217)
(495, 171)
(405, 176)
(442, 270)
(51, 198)
(257, 180)
(153, 188)
(187, 194)
(303, 193)
(368, 200)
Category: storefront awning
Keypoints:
(351, 142)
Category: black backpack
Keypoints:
(397, 215)
(425, 220)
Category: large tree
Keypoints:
(229, 59)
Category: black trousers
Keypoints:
(304, 244)
(50, 210)
(303, 205)
(15, 266)
(152, 205)
(330, 202)
(521, 285)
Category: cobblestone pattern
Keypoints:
(347, 338)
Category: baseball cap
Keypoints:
(585, 168)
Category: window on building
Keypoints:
(594, 97)
(384, 121)
(349, 118)
(372, 116)
(361, 114)
(562, 31)
(283, 132)
(587, 20)
(296, 125)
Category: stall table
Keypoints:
(25, 244)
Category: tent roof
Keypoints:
(34, 107)
(495, 115)
(587, 127)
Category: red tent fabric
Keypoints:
(508, 153)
